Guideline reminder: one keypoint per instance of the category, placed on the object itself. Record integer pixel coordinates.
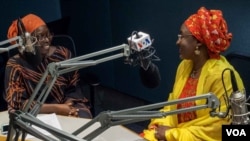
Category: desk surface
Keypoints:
(70, 124)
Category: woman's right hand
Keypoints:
(65, 109)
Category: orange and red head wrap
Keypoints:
(210, 28)
(31, 22)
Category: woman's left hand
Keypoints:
(73, 111)
(160, 132)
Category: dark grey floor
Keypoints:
(106, 99)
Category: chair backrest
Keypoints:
(241, 62)
(66, 41)
(3, 60)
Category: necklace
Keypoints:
(193, 74)
(196, 69)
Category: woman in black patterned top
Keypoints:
(24, 71)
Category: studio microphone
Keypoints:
(238, 104)
(28, 40)
(142, 54)
(28, 50)
(29, 43)
(141, 50)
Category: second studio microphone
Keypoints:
(143, 54)
(238, 104)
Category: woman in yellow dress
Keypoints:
(203, 36)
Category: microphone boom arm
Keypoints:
(13, 46)
(55, 69)
(142, 113)
(51, 73)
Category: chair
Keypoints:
(66, 41)
(88, 78)
(3, 61)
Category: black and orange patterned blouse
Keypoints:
(21, 79)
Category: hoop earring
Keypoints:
(197, 51)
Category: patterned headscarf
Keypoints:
(30, 21)
(210, 28)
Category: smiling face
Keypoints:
(44, 39)
(187, 43)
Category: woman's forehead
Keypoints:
(184, 29)
(41, 29)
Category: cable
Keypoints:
(226, 97)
